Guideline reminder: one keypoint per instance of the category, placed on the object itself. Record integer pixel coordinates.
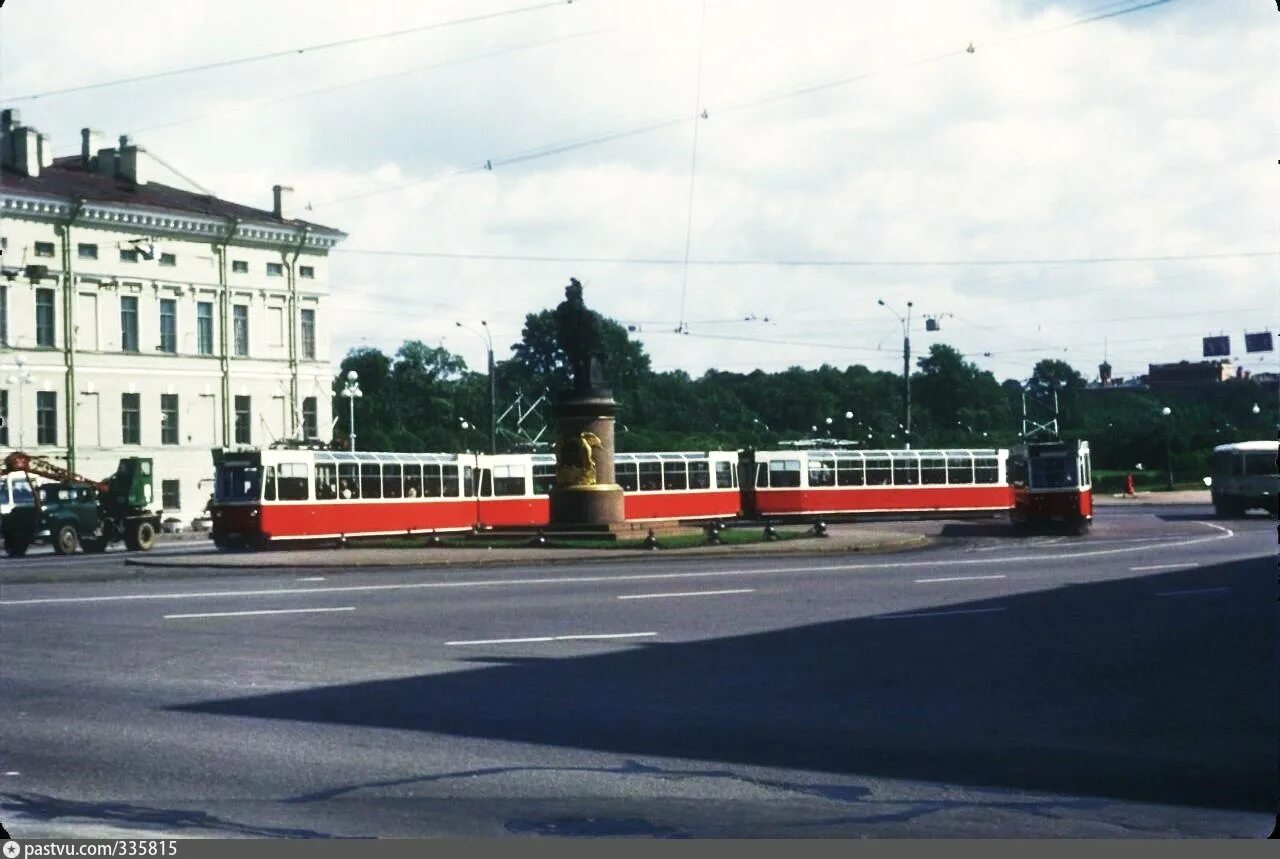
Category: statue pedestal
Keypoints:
(578, 499)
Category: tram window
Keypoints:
(650, 476)
(326, 481)
(906, 472)
(933, 471)
(724, 475)
(431, 481)
(508, 480)
(370, 480)
(293, 481)
(413, 481)
(544, 478)
(348, 480)
(784, 473)
(269, 484)
(822, 472)
(849, 472)
(391, 481)
(762, 475)
(699, 475)
(449, 481)
(624, 474)
(486, 483)
(986, 469)
(1086, 476)
(675, 475)
(959, 469)
(879, 472)
(1017, 471)
(235, 483)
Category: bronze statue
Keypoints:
(578, 330)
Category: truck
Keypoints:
(75, 512)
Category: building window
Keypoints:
(306, 271)
(4, 418)
(170, 495)
(4, 316)
(46, 417)
(128, 323)
(131, 418)
(168, 418)
(87, 251)
(240, 328)
(128, 254)
(242, 421)
(239, 266)
(44, 317)
(44, 249)
(168, 325)
(275, 269)
(309, 335)
(168, 259)
(204, 327)
(310, 419)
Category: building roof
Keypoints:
(68, 178)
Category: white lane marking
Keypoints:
(311, 579)
(958, 579)
(1162, 567)
(542, 639)
(13, 772)
(937, 613)
(659, 596)
(1193, 592)
(260, 611)
(635, 577)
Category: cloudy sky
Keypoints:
(849, 152)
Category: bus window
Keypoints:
(326, 481)
(1259, 464)
(544, 478)
(269, 484)
(370, 480)
(349, 480)
(624, 474)
(724, 475)
(822, 472)
(674, 475)
(986, 469)
(508, 480)
(650, 476)
(879, 472)
(293, 481)
(431, 481)
(959, 469)
(449, 479)
(391, 481)
(933, 471)
(413, 481)
(784, 473)
(699, 475)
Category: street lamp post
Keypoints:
(20, 376)
(906, 361)
(1168, 446)
(351, 390)
(493, 391)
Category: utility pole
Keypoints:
(493, 382)
(906, 362)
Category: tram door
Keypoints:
(747, 482)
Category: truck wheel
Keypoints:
(15, 549)
(66, 540)
(140, 535)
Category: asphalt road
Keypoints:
(1122, 684)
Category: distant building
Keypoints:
(1186, 374)
(142, 319)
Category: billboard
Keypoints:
(1217, 346)
(1260, 342)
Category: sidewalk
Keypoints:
(1178, 496)
(842, 539)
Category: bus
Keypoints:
(1244, 476)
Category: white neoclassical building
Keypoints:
(141, 319)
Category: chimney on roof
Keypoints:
(131, 162)
(90, 142)
(45, 145)
(26, 151)
(105, 162)
(283, 195)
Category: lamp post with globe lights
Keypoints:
(351, 390)
(906, 362)
(21, 377)
(1168, 445)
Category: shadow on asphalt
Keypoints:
(36, 806)
(1105, 690)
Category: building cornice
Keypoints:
(162, 222)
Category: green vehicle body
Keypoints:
(71, 514)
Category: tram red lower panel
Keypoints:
(1069, 504)
(792, 502)
(285, 521)
(698, 504)
(523, 510)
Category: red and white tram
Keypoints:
(835, 482)
(701, 485)
(1052, 482)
